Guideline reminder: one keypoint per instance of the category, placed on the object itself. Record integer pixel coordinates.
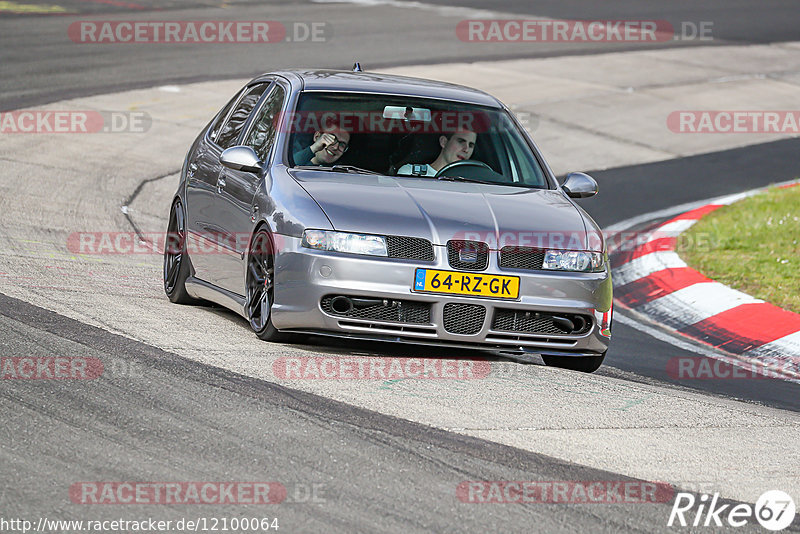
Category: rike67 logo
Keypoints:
(774, 510)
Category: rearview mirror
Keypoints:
(407, 113)
(241, 158)
(579, 185)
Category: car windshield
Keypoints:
(410, 137)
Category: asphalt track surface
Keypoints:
(40, 63)
(180, 420)
(183, 420)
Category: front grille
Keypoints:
(409, 248)
(463, 318)
(521, 258)
(468, 255)
(535, 322)
(390, 310)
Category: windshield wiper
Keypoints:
(471, 180)
(337, 168)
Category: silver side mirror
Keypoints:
(579, 185)
(241, 158)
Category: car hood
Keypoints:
(440, 210)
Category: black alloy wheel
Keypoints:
(176, 260)
(260, 284)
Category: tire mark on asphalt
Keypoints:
(130, 199)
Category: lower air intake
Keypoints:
(464, 318)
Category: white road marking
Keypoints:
(781, 347)
(730, 199)
(672, 229)
(697, 302)
(645, 266)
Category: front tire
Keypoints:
(259, 282)
(176, 260)
(584, 364)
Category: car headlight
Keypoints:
(369, 245)
(570, 260)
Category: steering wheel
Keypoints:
(462, 163)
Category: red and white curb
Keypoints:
(651, 279)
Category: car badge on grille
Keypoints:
(468, 255)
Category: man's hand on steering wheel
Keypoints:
(461, 163)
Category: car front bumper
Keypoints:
(303, 277)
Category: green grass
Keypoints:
(752, 245)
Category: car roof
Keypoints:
(371, 82)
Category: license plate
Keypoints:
(474, 284)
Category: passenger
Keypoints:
(327, 148)
(457, 147)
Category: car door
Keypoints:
(202, 171)
(238, 188)
(209, 245)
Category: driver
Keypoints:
(457, 147)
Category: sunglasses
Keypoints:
(336, 143)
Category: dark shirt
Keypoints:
(303, 156)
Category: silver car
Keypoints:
(388, 208)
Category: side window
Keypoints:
(217, 126)
(232, 129)
(262, 133)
